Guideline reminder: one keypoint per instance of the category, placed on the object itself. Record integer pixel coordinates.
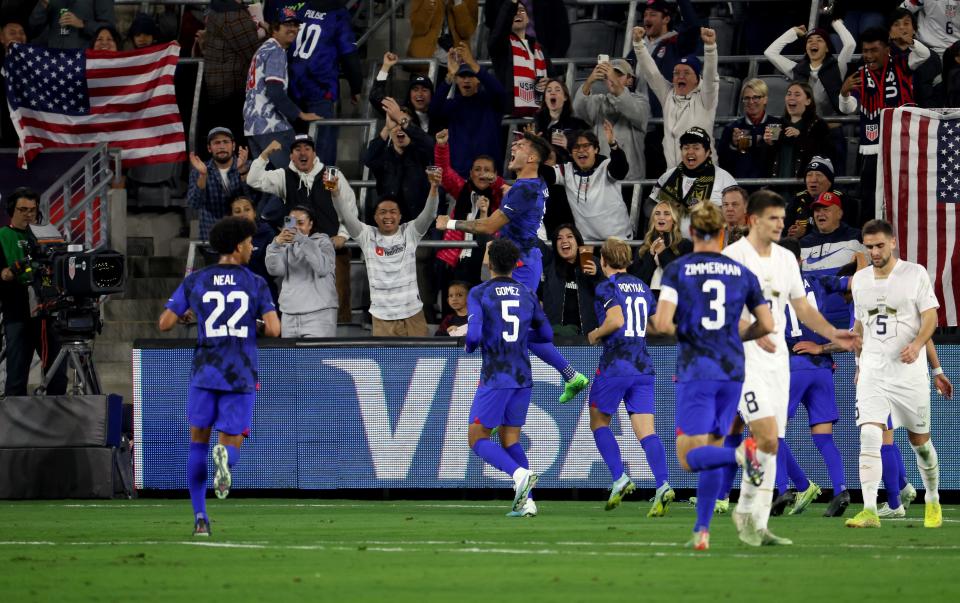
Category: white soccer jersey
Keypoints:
(779, 276)
(889, 310)
(938, 22)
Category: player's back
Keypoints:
(227, 299)
(505, 311)
(710, 291)
(625, 350)
(524, 205)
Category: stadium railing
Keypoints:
(76, 203)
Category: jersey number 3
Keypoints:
(220, 304)
(717, 305)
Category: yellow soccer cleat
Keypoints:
(864, 519)
(932, 515)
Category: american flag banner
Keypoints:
(918, 181)
(77, 98)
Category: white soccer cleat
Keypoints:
(222, 480)
(746, 529)
(886, 512)
(524, 480)
(529, 510)
(908, 495)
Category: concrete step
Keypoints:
(150, 287)
(112, 351)
(114, 372)
(133, 309)
(127, 330)
(139, 266)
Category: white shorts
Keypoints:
(905, 404)
(766, 393)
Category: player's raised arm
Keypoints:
(487, 226)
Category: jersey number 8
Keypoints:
(230, 328)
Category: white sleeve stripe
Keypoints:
(668, 294)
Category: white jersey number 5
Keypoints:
(513, 333)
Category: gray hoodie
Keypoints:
(307, 267)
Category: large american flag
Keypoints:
(77, 98)
(918, 180)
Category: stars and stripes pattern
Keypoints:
(77, 98)
(918, 181)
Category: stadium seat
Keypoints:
(778, 85)
(592, 37)
(727, 104)
(724, 28)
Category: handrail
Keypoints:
(73, 194)
(368, 133)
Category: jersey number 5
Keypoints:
(220, 304)
(513, 333)
(717, 304)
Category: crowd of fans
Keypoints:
(441, 148)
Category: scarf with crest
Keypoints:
(672, 189)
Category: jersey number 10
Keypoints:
(220, 304)
(636, 317)
(307, 40)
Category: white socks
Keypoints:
(871, 467)
(929, 466)
(518, 477)
(764, 500)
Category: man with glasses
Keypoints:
(742, 149)
(25, 334)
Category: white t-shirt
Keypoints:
(721, 180)
(889, 310)
(779, 276)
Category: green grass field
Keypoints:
(332, 550)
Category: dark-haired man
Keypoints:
(215, 182)
(520, 219)
(227, 299)
(24, 333)
(504, 316)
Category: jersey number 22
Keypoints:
(220, 302)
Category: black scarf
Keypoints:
(672, 189)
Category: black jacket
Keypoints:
(814, 139)
(402, 176)
(554, 291)
(644, 265)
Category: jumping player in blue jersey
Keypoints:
(518, 219)
(503, 316)
(625, 374)
(706, 293)
(811, 383)
(226, 298)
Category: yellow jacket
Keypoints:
(426, 23)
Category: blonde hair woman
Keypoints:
(662, 244)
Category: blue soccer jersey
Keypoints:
(502, 313)
(817, 288)
(524, 206)
(710, 291)
(625, 351)
(227, 300)
(323, 39)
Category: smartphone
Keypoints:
(290, 223)
(603, 58)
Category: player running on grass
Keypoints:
(227, 298)
(518, 219)
(706, 293)
(766, 385)
(504, 316)
(896, 312)
(624, 305)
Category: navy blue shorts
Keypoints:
(706, 406)
(814, 388)
(494, 407)
(230, 412)
(636, 392)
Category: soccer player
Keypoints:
(624, 305)
(518, 219)
(226, 298)
(503, 315)
(896, 312)
(811, 383)
(707, 293)
(766, 386)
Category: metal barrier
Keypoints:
(369, 131)
(76, 203)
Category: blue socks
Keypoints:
(903, 468)
(495, 455)
(708, 486)
(729, 471)
(233, 455)
(656, 457)
(832, 459)
(891, 474)
(609, 450)
(197, 476)
(789, 469)
(711, 457)
(551, 355)
(516, 453)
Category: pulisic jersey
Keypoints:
(780, 281)
(501, 314)
(817, 288)
(889, 310)
(227, 300)
(625, 351)
(711, 292)
(315, 55)
(524, 206)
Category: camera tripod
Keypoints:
(78, 354)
